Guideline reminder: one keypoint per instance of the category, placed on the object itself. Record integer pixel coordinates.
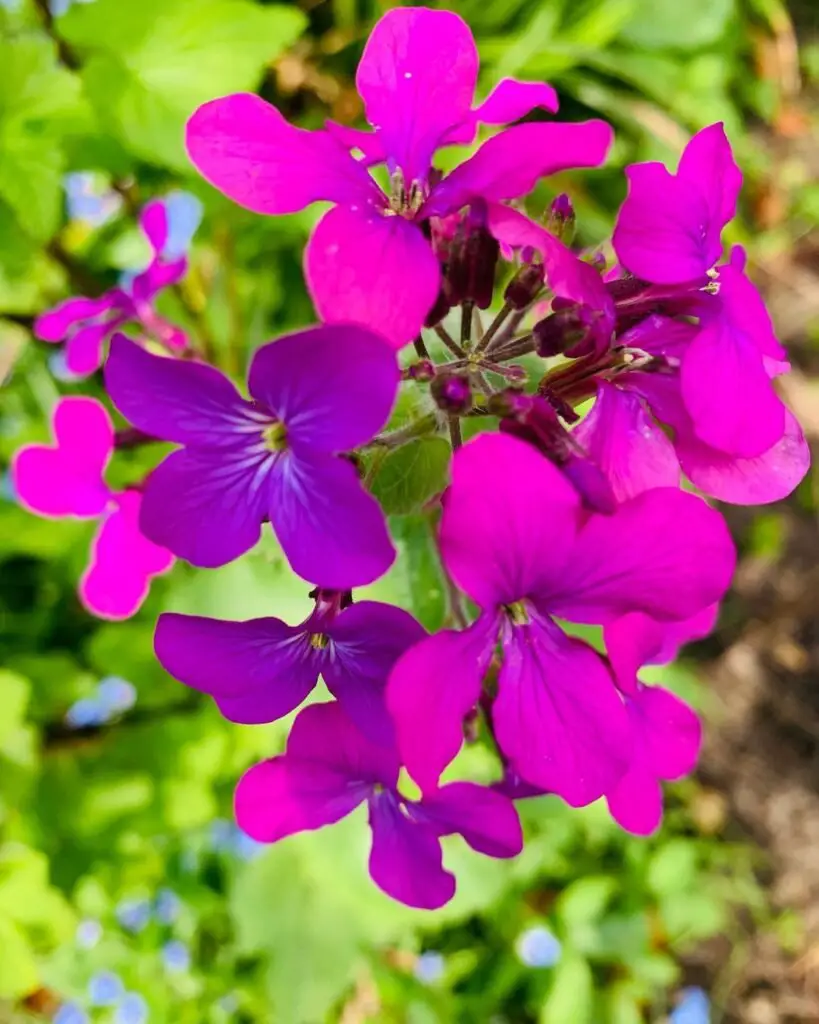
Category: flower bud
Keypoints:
(451, 392)
(525, 286)
(561, 219)
(422, 371)
(470, 273)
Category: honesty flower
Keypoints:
(261, 670)
(316, 394)
(515, 539)
(669, 232)
(68, 480)
(330, 768)
(666, 731)
(86, 324)
(369, 260)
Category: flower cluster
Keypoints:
(637, 372)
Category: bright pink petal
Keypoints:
(366, 268)
(728, 394)
(636, 802)
(558, 717)
(157, 276)
(85, 434)
(745, 308)
(153, 222)
(669, 733)
(56, 323)
(406, 861)
(708, 165)
(143, 555)
(760, 480)
(509, 520)
(661, 234)
(510, 100)
(245, 148)
(112, 592)
(486, 819)
(417, 78)
(665, 553)
(332, 386)
(627, 444)
(83, 349)
(369, 143)
(431, 689)
(511, 164)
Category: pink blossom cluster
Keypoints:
(565, 506)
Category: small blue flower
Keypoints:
(132, 1009)
(167, 906)
(70, 1013)
(134, 914)
(86, 711)
(105, 988)
(244, 847)
(693, 1008)
(537, 947)
(429, 967)
(88, 934)
(116, 695)
(87, 199)
(184, 213)
(59, 370)
(176, 956)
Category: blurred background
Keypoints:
(126, 894)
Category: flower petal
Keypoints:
(627, 445)
(745, 308)
(430, 691)
(636, 802)
(509, 519)
(406, 861)
(332, 530)
(661, 234)
(486, 819)
(669, 732)
(708, 165)
(367, 640)
(759, 480)
(365, 268)
(56, 323)
(157, 276)
(728, 394)
(83, 349)
(206, 507)
(511, 99)
(244, 147)
(510, 164)
(153, 222)
(333, 386)
(417, 78)
(177, 400)
(665, 553)
(557, 715)
(258, 671)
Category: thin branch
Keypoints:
(421, 348)
(449, 341)
(455, 435)
(466, 323)
(494, 327)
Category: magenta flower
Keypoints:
(261, 670)
(666, 731)
(669, 232)
(86, 324)
(67, 480)
(330, 768)
(417, 79)
(316, 394)
(515, 539)
(624, 436)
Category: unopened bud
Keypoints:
(561, 219)
(422, 371)
(563, 330)
(451, 392)
(525, 286)
(509, 404)
(470, 272)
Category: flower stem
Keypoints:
(449, 341)
(466, 323)
(494, 327)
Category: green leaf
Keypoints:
(571, 996)
(151, 64)
(18, 968)
(673, 868)
(659, 24)
(621, 1006)
(421, 585)
(411, 475)
(14, 693)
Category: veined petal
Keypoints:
(626, 444)
(258, 671)
(485, 818)
(207, 507)
(430, 691)
(665, 553)
(510, 164)
(332, 530)
(728, 394)
(332, 386)
(509, 520)
(708, 165)
(176, 400)
(244, 147)
(557, 715)
(406, 861)
(417, 78)
(367, 268)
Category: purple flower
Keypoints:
(538, 947)
(133, 914)
(417, 79)
(515, 539)
(86, 324)
(666, 731)
(176, 956)
(261, 670)
(105, 988)
(67, 480)
(669, 232)
(316, 394)
(330, 768)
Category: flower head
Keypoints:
(315, 395)
(330, 768)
